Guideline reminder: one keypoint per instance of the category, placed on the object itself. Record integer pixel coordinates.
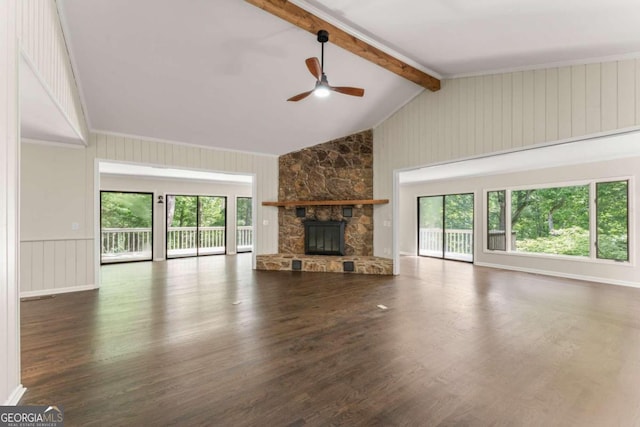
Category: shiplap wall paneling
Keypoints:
(55, 264)
(565, 103)
(511, 110)
(505, 112)
(478, 113)
(539, 105)
(551, 105)
(609, 90)
(528, 110)
(42, 41)
(592, 98)
(578, 101)
(626, 93)
(637, 91)
(517, 111)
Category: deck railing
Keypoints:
(244, 238)
(135, 243)
(120, 244)
(125, 240)
(455, 241)
(187, 238)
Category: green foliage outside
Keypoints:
(566, 241)
(458, 211)
(126, 210)
(243, 211)
(182, 211)
(551, 220)
(556, 220)
(496, 210)
(612, 220)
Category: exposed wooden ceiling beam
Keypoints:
(301, 18)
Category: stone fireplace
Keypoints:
(330, 175)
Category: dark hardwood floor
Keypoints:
(210, 342)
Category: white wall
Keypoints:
(161, 186)
(10, 388)
(60, 190)
(54, 257)
(475, 116)
(617, 273)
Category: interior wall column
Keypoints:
(10, 388)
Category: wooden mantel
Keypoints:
(290, 203)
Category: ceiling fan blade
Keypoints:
(313, 64)
(353, 91)
(300, 96)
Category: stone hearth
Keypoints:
(328, 264)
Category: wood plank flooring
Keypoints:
(211, 342)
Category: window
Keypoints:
(551, 220)
(496, 221)
(558, 220)
(612, 220)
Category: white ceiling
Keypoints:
(217, 73)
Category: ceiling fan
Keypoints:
(323, 88)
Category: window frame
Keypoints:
(591, 183)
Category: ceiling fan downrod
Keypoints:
(323, 37)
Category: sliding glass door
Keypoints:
(445, 226)
(126, 226)
(196, 225)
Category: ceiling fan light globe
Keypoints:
(321, 91)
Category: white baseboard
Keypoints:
(563, 275)
(403, 253)
(15, 396)
(53, 291)
(158, 259)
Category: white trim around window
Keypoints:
(592, 258)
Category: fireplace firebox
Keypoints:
(324, 237)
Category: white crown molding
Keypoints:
(347, 29)
(186, 144)
(584, 61)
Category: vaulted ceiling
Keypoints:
(217, 73)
